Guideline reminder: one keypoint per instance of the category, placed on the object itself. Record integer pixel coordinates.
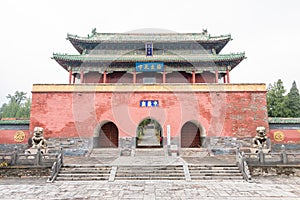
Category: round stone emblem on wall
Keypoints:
(19, 136)
(278, 136)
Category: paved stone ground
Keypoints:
(149, 138)
(263, 188)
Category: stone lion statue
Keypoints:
(261, 137)
(38, 141)
(261, 140)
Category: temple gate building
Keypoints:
(125, 85)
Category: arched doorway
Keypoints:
(149, 134)
(191, 135)
(106, 135)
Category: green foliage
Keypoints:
(293, 101)
(281, 105)
(18, 106)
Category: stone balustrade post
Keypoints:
(38, 157)
(261, 155)
(284, 157)
(237, 154)
(14, 158)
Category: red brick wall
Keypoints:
(76, 114)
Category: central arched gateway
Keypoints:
(191, 135)
(106, 135)
(149, 134)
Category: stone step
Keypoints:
(147, 169)
(86, 178)
(213, 168)
(85, 168)
(150, 178)
(215, 174)
(150, 171)
(84, 171)
(214, 171)
(84, 175)
(216, 178)
(149, 175)
(175, 172)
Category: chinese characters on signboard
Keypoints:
(149, 103)
(149, 49)
(149, 67)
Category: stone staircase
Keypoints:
(75, 172)
(215, 172)
(174, 172)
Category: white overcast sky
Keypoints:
(267, 30)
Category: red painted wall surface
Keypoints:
(205, 77)
(7, 137)
(285, 136)
(93, 77)
(174, 77)
(76, 114)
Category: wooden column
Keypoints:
(164, 76)
(227, 74)
(217, 76)
(134, 77)
(224, 78)
(104, 77)
(70, 75)
(81, 77)
(74, 77)
(193, 77)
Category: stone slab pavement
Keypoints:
(263, 188)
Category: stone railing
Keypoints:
(242, 164)
(276, 158)
(20, 159)
(56, 167)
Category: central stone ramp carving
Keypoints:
(174, 172)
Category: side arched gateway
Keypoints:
(106, 135)
(192, 135)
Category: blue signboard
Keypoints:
(149, 67)
(149, 103)
(149, 49)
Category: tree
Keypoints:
(18, 106)
(277, 101)
(293, 101)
